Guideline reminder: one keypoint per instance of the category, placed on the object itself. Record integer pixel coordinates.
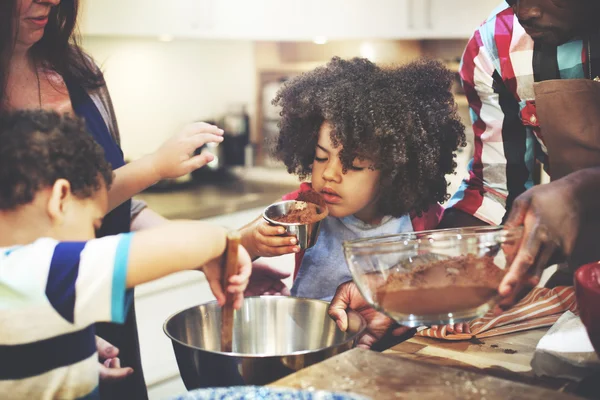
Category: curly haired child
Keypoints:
(377, 143)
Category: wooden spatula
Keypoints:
(231, 268)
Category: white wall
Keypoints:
(159, 87)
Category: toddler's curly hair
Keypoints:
(39, 147)
(403, 119)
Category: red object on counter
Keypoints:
(587, 290)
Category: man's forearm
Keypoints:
(586, 185)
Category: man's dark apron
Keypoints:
(569, 116)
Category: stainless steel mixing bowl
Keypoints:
(306, 234)
(273, 336)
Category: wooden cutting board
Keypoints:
(381, 376)
(512, 352)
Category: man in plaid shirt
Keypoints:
(499, 67)
(523, 42)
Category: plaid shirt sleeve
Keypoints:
(483, 193)
(498, 77)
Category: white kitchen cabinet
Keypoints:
(277, 20)
(451, 19)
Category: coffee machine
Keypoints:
(236, 124)
(233, 151)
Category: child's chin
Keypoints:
(335, 212)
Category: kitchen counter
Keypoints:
(493, 368)
(239, 191)
(506, 356)
(385, 377)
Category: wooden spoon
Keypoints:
(231, 268)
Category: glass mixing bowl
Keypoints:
(433, 277)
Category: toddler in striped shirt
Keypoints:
(56, 279)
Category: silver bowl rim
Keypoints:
(353, 336)
(269, 220)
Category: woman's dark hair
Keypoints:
(58, 50)
(403, 119)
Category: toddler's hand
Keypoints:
(176, 157)
(266, 240)
(237, 283)
(267, 280)
(110, 365)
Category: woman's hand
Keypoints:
(237, 283)
(265, 240)
(110, 365)
(266, 280)
(173, 159)
(176, 157)
(347, 297)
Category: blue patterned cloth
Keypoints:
(264, 393)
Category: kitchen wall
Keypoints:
(159, 87)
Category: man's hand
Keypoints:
(266, 280)
(110, 365)
(550, 216)
(347, 297)
(561, 217)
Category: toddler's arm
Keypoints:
(173, 159)
(186, 245)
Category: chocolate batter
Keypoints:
(440, 287)
(306, 213)
(312, 196)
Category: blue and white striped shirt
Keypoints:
(51, 294)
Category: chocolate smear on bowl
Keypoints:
(440, 287)
(312, 196)
(302, 213)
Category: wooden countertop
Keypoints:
(387, 376)
(506, 356)
(491, 368)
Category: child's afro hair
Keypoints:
(402, 118)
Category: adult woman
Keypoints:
(41, 66)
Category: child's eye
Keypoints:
(318, 159)
(353, 168)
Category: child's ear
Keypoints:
(59, 201)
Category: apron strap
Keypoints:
(545, 62)
(594, 42)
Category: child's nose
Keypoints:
(333, 172)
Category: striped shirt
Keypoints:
(51, 294)
(498, 74)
